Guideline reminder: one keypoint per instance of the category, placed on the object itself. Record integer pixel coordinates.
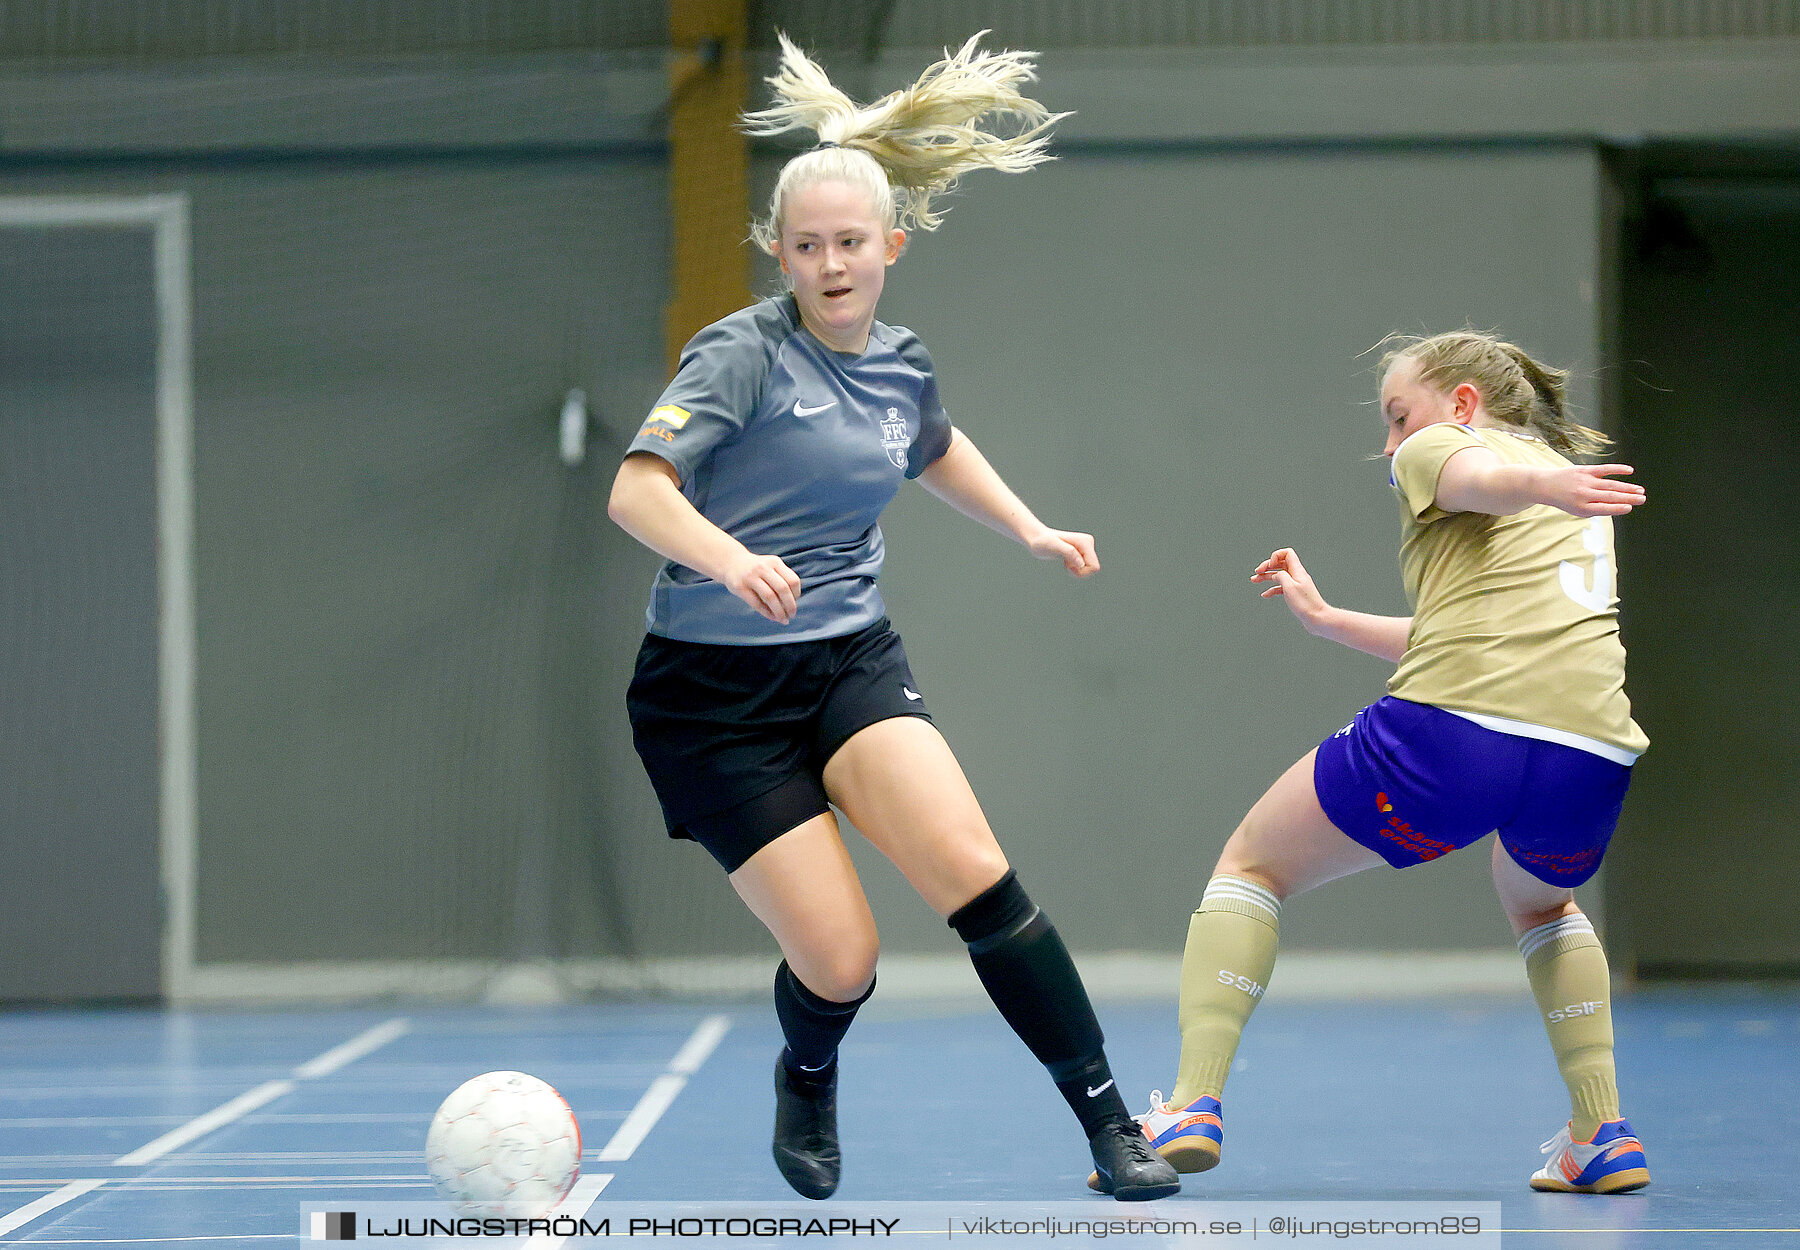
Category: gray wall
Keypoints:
(415, 627)
(414, 624)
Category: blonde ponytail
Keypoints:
(1515, 388)
(908, 147)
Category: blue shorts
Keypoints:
(1412, 782)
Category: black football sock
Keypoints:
(1026, 970)
(813, 1027)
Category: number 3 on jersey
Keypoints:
(1596, 594)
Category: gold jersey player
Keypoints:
(1507, 714)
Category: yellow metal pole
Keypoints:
(709, 168)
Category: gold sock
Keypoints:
(1569, 979)
(1230, 952)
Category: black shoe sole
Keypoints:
(804, 1175)
(1147, 1193)
(1140, 1193)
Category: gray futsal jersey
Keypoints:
(794, 450)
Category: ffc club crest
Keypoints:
(893, 437)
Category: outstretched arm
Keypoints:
(1384, 636)
(1476, 480)
(963, 478)
(647, 503)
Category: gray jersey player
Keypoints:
(770, 686)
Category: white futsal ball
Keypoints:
(503, 1144)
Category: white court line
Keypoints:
(688, 1059)
(574, 1206)
(656, 1100)
(219, 1116)
(202, 1184)
(218, 1158)
(201, 1125)
(664, 1089)
(352, 1050)
(267, 1092)
(147, 1121)
(49, 1202)
(87, 1121)
(158, 1241)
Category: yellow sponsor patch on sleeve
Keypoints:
(671, 415)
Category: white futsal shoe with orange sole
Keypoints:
(1612, 1162)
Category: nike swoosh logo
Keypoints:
(1095, 1093)
(915, 696)
(801, 410)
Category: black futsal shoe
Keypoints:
(1127, 1166)
(806, 1137)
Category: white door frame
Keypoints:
(166, 216)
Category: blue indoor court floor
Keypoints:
(216, 1129)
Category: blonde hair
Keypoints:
(1515, 389)
(907, 147)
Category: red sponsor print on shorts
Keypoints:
(1404, 835)
(1572, 862)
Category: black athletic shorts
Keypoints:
(735, 739)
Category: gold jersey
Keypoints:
(1515, 621)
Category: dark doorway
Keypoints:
(1708, 357)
